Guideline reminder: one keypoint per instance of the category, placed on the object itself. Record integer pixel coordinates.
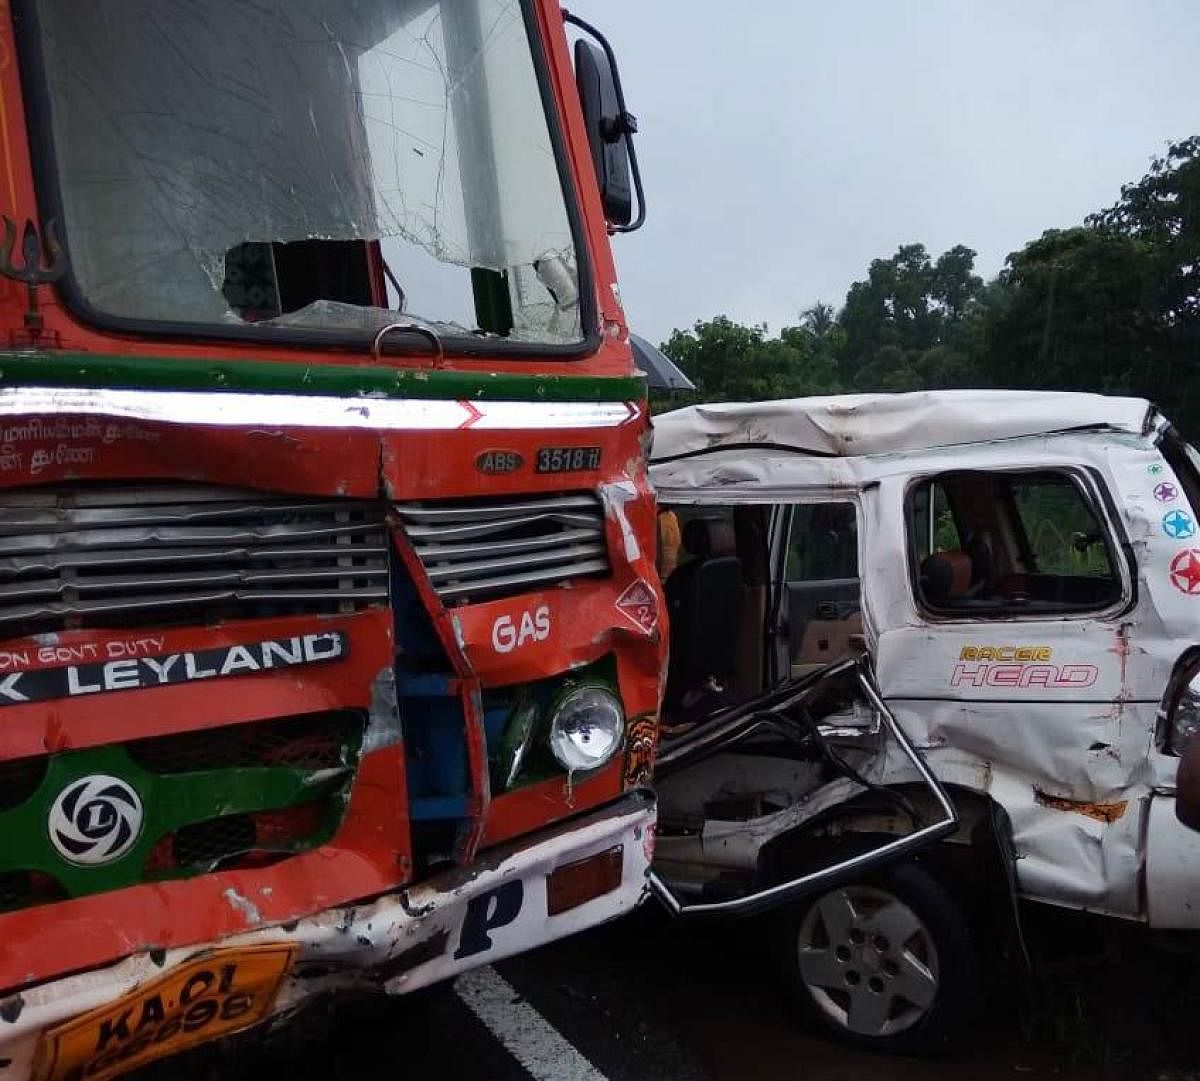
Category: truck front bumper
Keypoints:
(549, 885)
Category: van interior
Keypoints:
(759, 594)
(988, 544)
(743, 620)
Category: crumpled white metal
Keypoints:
(1086, 788)
(854, 424)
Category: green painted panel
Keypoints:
(169, 802)
(177, 373)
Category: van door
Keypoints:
(1004, 649)
(816, 585)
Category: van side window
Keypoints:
(822, 583)
(823, 542)
(1005, 544)
(933, 522)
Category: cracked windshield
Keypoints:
(310, 165)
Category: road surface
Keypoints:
(647, 1000)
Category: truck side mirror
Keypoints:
(610, 129)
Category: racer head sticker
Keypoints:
(95, 820)
(1019, 667)
(1178, 525)
(1166, 492)
(1185, 571)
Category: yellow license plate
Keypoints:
(223, 992)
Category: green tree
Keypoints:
(906, 325)
(1110, 306)
(1163, 211)
(1113, 306)
(1076, 309)
(731, 362)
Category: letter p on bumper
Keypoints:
(485, 914)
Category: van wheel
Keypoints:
(885, 963)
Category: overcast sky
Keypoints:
(787, 143)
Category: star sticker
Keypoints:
(1165, 492)
(1185, 571)
(1178, 525)
(1155, 469)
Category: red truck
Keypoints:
(330, 637)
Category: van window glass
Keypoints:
(1063, 534)
(1005, 544)
(823, 542)
(677, 542)
(822, 583)
(933, 529)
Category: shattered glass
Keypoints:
(216, 156)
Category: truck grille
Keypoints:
(313, 741)
(20, 889)
(230, 830)
(20, 778)
(124, 556)
(481, 549)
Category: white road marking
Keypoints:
(539, 1047)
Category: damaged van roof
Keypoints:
(846, 425)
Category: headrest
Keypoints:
(946, 574)
(709, 538)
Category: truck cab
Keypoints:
(330, 634)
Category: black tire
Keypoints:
(853, 981)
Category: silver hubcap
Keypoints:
(868, 961)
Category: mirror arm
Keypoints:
(625, 125)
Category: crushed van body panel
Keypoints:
(1054, 718)
(848, 425)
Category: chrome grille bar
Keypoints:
(123, 556)
(480, 549)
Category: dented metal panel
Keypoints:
(477, 549)
(849, 425)
(1052, 717)
(397, 943)
(749, 837)
(333, 478)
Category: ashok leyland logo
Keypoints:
(95, 820)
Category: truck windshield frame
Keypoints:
(559, 319)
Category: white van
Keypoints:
(1022, 573)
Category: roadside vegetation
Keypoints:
(1111, 305)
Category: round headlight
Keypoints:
(587, 728)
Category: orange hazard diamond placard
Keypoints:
(639, 605)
